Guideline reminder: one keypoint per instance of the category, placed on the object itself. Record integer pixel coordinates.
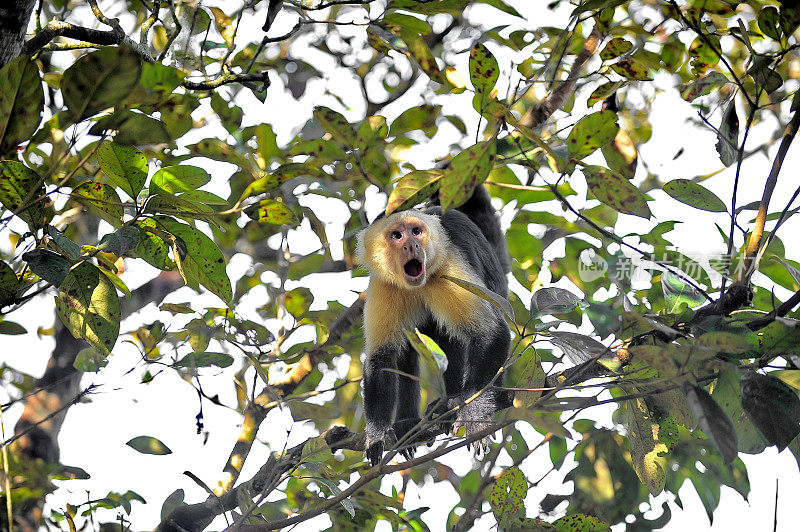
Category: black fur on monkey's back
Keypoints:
(471, 332)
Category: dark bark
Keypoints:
(14, 17)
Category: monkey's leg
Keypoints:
(380, 399)
(486, 356)
(407, 398)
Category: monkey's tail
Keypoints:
(479, 209)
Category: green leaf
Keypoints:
(120, 241)
(725, 342)
(20, 187)
(604, 91)
(316, 451)
(70, 248)
(596, 5)
(177, 179)
(726, 394)
(88, 305)
(394, 22)
(694, 195)
(616, 191)
(272, 212)
(11, 328)
(580, 523)
(578, 348)
(148, 445)
(632, 69)
(615, 48)
(100, 199)
(298, 301)
(418, 50)
(48, 265)
(417, 117)
(704, 52)
(337, 125)
(152, 247)
(553, 300)
(204, 359)
(9, 283)
(467, 170)
(335, 491)
(769, 22)
(713, 421)
(591, 132)
(508, 494)
(700, 87)
(413, 188)
(204, 261)
(132, 128)
(125, 166)
(677, 291)
(645, 446)
(21, 103)
(99, 80)
(728, 135)
(432, 355)
(483, 69)
(772, 406)
(90, 360)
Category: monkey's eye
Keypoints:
(396, 235)
(416, 231)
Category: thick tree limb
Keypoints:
(14, 17)
(59, 28)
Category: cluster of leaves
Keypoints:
(693, 387)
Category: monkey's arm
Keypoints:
(380, 398)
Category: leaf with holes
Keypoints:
(151, 246)
(20, 188)
(88, 305)
(467, 170)
(125, 166)
(616, 191)
(592, 132)
(272, 212)
(100, 80)
(508, 494)
(694, 195)
(21, 103)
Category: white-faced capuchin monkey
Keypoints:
(407, 253)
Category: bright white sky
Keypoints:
(95, 433)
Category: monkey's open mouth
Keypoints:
(413, 268)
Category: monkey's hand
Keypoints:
(475, 417)
(376, 442)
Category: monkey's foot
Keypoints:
(474, 417)
(376, 442)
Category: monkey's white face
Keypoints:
(400, 248)
(409, 242)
